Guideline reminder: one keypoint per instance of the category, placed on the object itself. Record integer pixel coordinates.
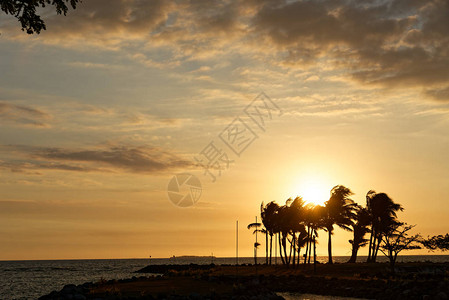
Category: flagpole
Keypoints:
(237, 243)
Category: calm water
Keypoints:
(32, 279)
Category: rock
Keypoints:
(441, 296)
(68, 289)
(79, 297)
(194, 296)
(406, 292)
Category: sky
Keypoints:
(101, 110)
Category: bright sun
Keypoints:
(315, 194)
(313, 191)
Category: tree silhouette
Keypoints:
(256, 226)
(339, 210)
(25, 11)
(382, 212)
(287, 221)
(297, 212)
(301, 241)
(314, 220)
(283, 224)
(360, 228)
(396, 239)
(296, 225)
(268, 215)
(437, 242)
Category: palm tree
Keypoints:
(313, 220)
(339, 210)
(268, 215)
(283, 227)
(297, 211)
(317, 215)
(301, 241)
(278, 227)
(360, 228)
(255, 225)
(288, 225)
(382, 210)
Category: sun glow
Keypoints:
(314, 190)
(315, 193)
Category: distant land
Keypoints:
(192, 256)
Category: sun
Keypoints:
(313, 186)
(315, 193)
(313, 190)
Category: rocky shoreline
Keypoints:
(244, 290)
(221, 282)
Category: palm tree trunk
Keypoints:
(290, 254)
(294, 249)
(379, 240)
(266, 247)
(353, 258)
(280, 248)
(373, 246)
(275, 248)
(373, 250)
(307, 244)
(329, 247)
(310, 248)
(284, 246)
(271, 246)
(314, 254)
(370, 244)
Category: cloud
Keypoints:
(312, 78)
(397, 43)
(23, 115)
(385, 43)
(90, 65)
(104, 23)
(141, 159)
(390, 43)
(34, 167)
(439, 94)
(102, 19)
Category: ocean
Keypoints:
(34, 278)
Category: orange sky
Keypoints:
(98, 112)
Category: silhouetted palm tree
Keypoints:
(283, 227)
(268, 214)
(382, 210)
(360, 228)
(339, 210)
(297, 213)
(296, 224)
(316, 217)
(256, 226)
(287, 222)
(301, 241)
(313, 220)
(277, 228)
